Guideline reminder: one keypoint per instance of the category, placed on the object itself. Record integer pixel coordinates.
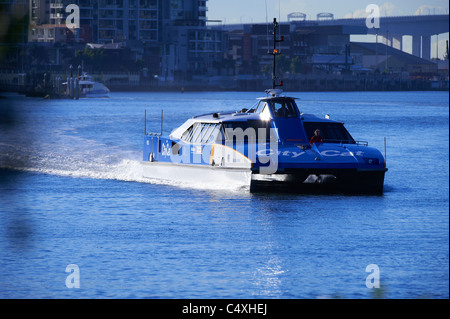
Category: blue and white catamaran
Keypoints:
(268, 146)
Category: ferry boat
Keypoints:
(271, 146)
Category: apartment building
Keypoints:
(173, 32)
(120, 20)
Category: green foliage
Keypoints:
(101, 60)
(284, 65)
(296, 65)
(91, 58)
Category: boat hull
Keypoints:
(96, 95)
(348, 181)
(354, 181)
(198, 174)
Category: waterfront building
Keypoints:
(174, 34)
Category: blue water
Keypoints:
(71, 192)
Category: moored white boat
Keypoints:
(85, 87)
(91, 88)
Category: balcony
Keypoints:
(56, 16)
(56, 5)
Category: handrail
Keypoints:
(363, 143)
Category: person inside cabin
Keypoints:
(282, 111)
(316, 137)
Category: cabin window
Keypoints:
(259, 107)
(220, 134)
(283, 108)
(201, 133)
(330, 132)
(214, 133)
(195, 131)
(197, 138)
(280, 107)
(186, 134)
(207, 134)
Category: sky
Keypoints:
(254, 11)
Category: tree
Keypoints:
(296, 65)
(91, 58)
(283, 65)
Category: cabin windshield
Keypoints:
(283, 108)
(280, 107)
(330, 132)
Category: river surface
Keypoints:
(76, 212)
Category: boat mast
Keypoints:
(275, 53)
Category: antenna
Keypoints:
(267, 24)
(275, 53)
(279, 10)
(161, 122)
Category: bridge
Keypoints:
(392, 29)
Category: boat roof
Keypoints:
(226, 117)
(219, 117)
(236, 116)
(239, 116)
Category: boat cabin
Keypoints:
(278, 113)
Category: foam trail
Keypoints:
(64, 154)
(88, 166)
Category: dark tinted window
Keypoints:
(330, 132)
(283, 108)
